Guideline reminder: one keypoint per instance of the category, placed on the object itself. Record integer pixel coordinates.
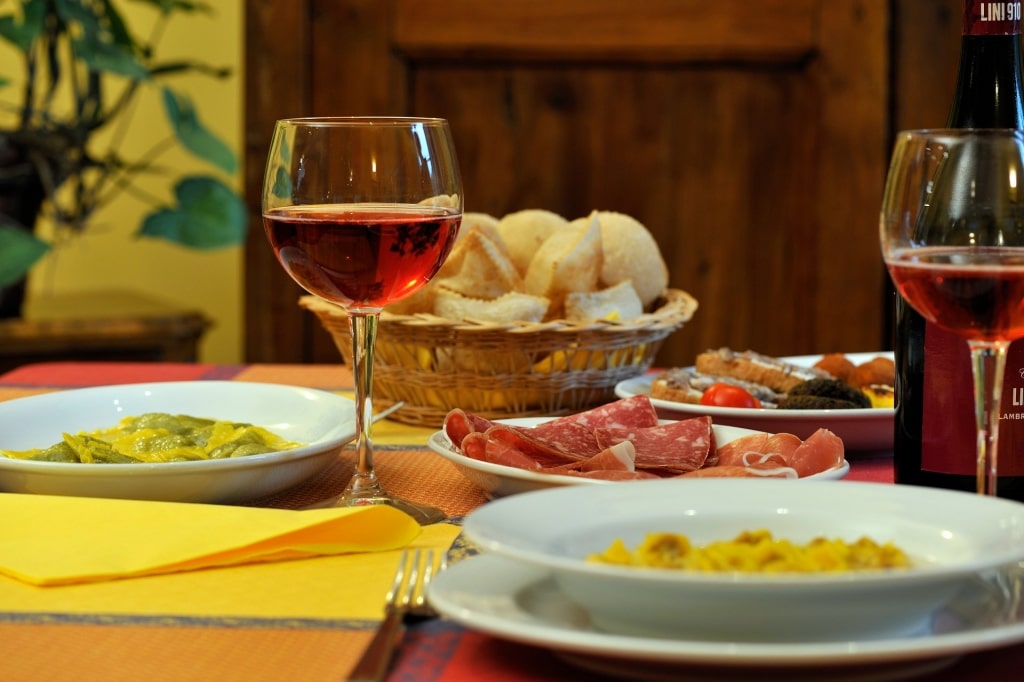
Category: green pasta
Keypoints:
(160, 437)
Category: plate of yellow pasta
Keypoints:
(736, 560)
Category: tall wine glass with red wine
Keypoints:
(362, 212)
(952, 233)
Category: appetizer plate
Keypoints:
(949, 536)
(321, 420)
(498, 480)
(861, 430)
(521, 603)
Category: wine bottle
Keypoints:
(935, 436)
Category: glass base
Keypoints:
(423, 514)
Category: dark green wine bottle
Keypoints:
(935, 437)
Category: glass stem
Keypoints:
(364, 484)
(988, 362)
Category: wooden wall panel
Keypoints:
(751, 136)
(608, 30)
(276, 86)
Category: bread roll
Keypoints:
(568, 261)
(524, 231)
(484, 269)
(630, 252)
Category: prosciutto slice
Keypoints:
(742, 451)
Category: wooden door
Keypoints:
(750, 136)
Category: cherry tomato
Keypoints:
(727, 395)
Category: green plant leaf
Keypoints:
(21, 250)
(109, 57)
(209, 215)
(22, 35)
(191, 133)
(168, 6)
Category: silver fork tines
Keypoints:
(406, 597)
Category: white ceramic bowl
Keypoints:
(951, 537)
(497, 480)
(323, 421)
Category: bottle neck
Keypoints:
(987, 18)
(989, 91)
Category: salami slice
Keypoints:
(474, 446)
(541, 451)
(633, 412)
(507, 454)
(574, 440)
(674, 447)
(459, 423)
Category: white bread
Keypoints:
(510, 307)
(619, 302)
(484, 270)
(569, 260)
(524, 231)
(630, 252)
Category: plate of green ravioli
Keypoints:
(183, 441)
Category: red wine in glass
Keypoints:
(974, 291)
(362, 257)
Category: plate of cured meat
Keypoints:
(863, 428)
(624, 441)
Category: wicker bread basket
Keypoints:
(504, 370)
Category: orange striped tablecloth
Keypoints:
(214, 645)
(63, 645)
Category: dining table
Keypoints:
(301, 622)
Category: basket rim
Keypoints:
(676, 308)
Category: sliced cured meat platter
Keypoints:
(619, 441)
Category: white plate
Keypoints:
(497, 480)
(512, 601)
(322, 420)
(948, 535)
(861, 430)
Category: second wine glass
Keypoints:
(362, 212)
(952, 236)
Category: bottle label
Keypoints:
(986, 18)
(948, 430)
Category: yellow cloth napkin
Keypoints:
(52, 540)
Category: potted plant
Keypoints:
(82, 70)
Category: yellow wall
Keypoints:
(108, 256)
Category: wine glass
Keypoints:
(952, 235)
(362, 212)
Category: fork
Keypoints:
(406, 598)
